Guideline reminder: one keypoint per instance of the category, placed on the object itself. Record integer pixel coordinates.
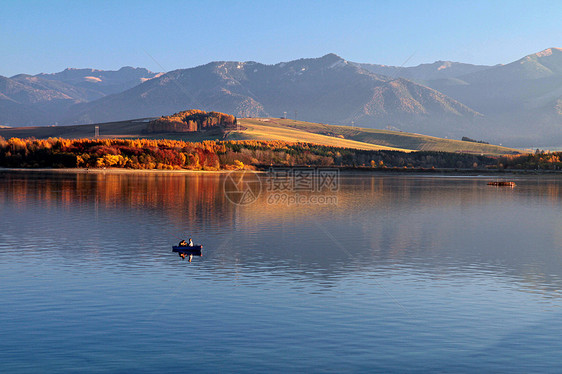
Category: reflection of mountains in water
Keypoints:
(381, 225)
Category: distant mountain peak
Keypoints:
(131, 68)
(541, 64)
(548, 52)
(333, 60)
(543, 56)
(80, 69)
(331, 56)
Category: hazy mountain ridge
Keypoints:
(520, 98)
(27, 92)
(26, 100)
(105, 82)
(424, 72)
(536, 78)
(64, 91)
(45, 98)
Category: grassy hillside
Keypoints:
(386, 138)
(273, 129)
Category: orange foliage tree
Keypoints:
(190, 121)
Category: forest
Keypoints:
(538, 161)
(190, 121)
(231, 155)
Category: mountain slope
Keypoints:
(16, 113)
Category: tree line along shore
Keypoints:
(247, 154)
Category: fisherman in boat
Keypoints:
(183, 243)
(190, 243)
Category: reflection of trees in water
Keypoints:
(432, 226)
(180, 198)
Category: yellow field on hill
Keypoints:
(265, 130)
(386, 138)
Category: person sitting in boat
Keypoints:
(190, 243)
(183, 243)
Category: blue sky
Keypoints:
(49, 36)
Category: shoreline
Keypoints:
(112, 171)
(262, 170)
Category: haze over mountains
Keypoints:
(519, 104)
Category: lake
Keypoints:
(300, 273)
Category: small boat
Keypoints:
(195, 250)
(502, 184)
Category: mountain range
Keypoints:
(519, 104)
(45, 98)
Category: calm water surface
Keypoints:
(403, 273)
